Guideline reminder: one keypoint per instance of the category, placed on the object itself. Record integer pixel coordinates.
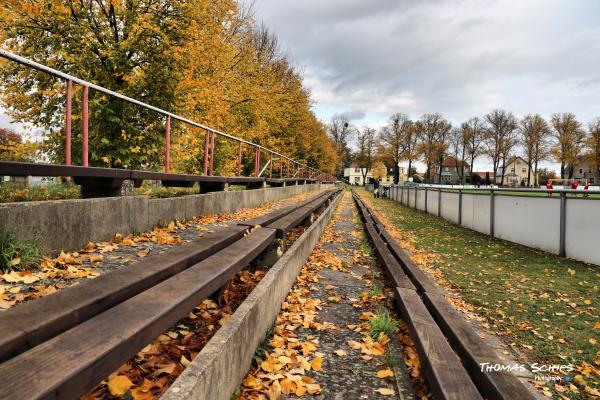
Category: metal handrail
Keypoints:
(40, 67)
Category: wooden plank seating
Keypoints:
(446, 376)
(36, 321)
(294, 218)
(442, 334)
(474, 351)
(73, 362)
(274, 215)
(392, 269)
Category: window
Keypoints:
(590, 171)
(512, 169)
(591, 180)
(357, 179)
(581, 170)
(524, 170)
(357, 170)
(446, 169)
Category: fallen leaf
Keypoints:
(386, 391)
(119, 385)
(385, 373)
(143, 253)
(341, 353)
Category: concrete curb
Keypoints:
(222, 364)
(71, 224)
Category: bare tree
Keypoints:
(341, 131)
(593, 142)
(411, 145)
(473, 131)
(456, 141)
(570, 141)
(392, 146)
(534, 139)
(432, 130)
(499, 138)
(366, 150)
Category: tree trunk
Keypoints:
(535, 173)
(562, 171)
(528, 174)
(409, 167)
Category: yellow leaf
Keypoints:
(15, 261)
(250, 382)
(316, 363)
(268, 365)
(385, 373)
(119, 385)
(592, 341)
(587, 302)
(184, 361)
(386, 391)
(340, 353)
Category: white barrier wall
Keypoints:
(532, 221)
(449, 209)
(476, 212)
(527, 220)
(582, 230)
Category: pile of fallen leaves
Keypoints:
(156, 366)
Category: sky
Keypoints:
(367, 59)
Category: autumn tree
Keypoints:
(379, 170)
(593, 143)
(13, 148)
(500, 138)
(457, 141)
(341, 131)
(534, 139)
(366, 151)
(570, 141)
(473, 131)
(433, 131)
(131, 47)
(392, 141)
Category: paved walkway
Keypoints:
(342, 279)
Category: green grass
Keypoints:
(158, 191)
(383, 322)
(546, 305)
(18, 192)
(18, 253)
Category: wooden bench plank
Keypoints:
(12, 168)
(293, 219)
(474, 351)
(421, 280)
(446, 376)
(34, 322)
(73, 362)
(392, 269)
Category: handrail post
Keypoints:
(426, 195)
(270, 165)
(212, 152)
(85, 125)
(168, 145)
(256, 161)
(563, 225)
(206, 145)
(280, 167)
(239, 169)
(439, 202)
(68, 118)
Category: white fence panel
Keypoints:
(411, 197)
(421, 200)
(432, 202)
(476, 212)
(449, 209)
(532, 221)
(583, 230)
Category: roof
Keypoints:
(453, 162)
(482, 174)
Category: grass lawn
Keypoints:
(545, 305)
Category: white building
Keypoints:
(355, 175)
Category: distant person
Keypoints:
(574, 186)
(586, 187)
(376, 186)
(549, 186)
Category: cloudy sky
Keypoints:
(463, 58)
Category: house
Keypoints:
(453, 171)
(516, 173)
(584, 171)
(483, 175)
(355, 175)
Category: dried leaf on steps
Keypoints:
(119, 385)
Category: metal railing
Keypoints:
(297, 168)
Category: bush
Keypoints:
(16, 192)
(18, 253)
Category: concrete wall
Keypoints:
(71, 224)
(527, 220)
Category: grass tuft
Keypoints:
(18, 253)
(383, 322)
